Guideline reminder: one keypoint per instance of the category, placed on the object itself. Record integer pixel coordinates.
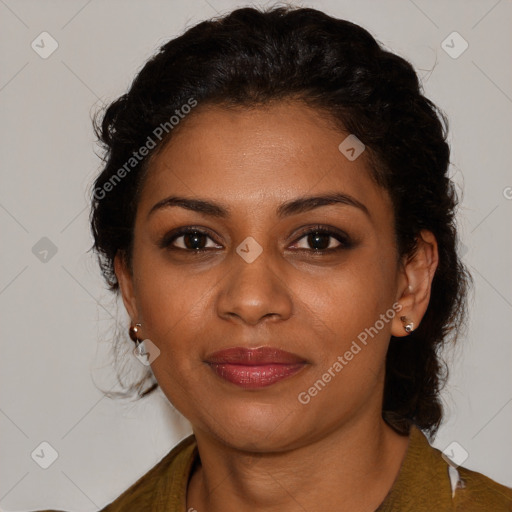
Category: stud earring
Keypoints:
(408, 326)
(139, 349)
(133, 331)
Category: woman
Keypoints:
(276, 213)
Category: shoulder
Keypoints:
(163, 487)
(477, 492)
(470, 490)
(428, 481)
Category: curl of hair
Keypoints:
(254, 57)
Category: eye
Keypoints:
(323, 240)
(188, 239)
(316, 240)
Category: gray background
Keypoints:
(57, 318)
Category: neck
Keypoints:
(351, 468)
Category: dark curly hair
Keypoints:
(253, 57)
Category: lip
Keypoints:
(256, 367)
(254, 356)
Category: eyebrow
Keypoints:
(293, 207)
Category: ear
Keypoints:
(125, 280)
(416, 278)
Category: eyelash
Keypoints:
(342, 238)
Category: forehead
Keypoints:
(262, 155)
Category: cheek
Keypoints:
(355, 312)
(163, 290)
(171, 306)
(169, 300)
(352, 298)
(355, 308)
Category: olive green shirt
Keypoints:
(425, 483)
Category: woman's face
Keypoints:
(262, 281)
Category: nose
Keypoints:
(253, 292)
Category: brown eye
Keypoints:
(318, 240)
(193, 240)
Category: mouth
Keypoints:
(255, 368)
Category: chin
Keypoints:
(255, 427)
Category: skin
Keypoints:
(263, 450)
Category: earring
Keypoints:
(408, 326)
(139, 349)
(133, 331)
